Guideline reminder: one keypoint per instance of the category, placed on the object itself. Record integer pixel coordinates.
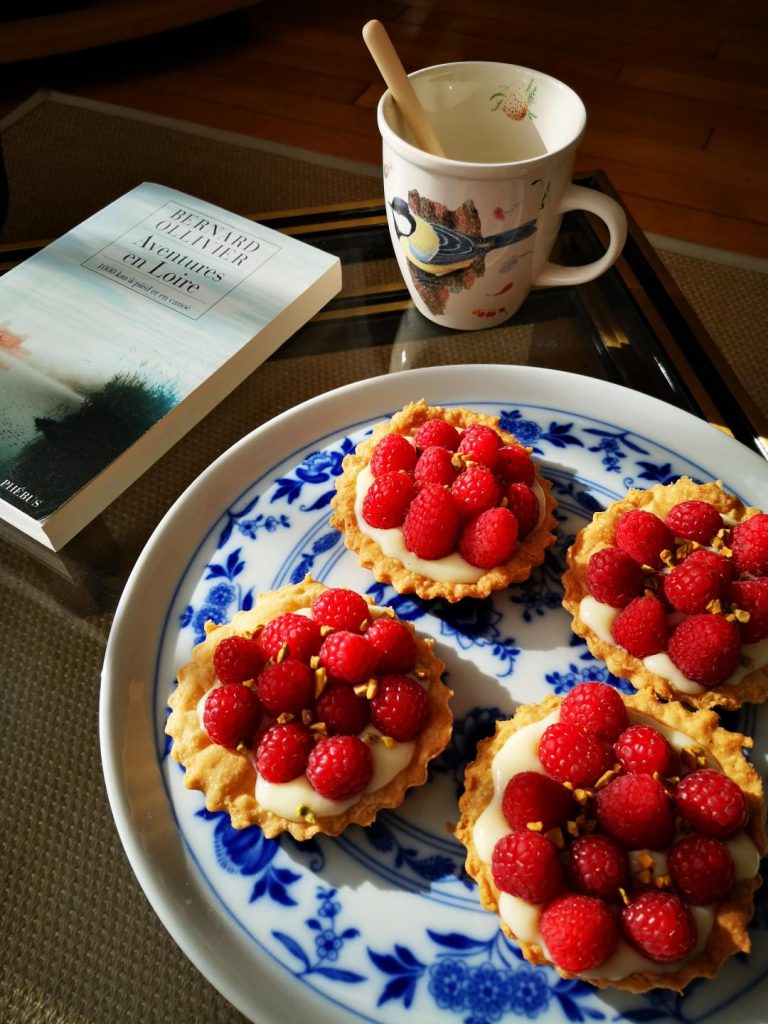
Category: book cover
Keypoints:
(122, 334)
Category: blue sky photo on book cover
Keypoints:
(112, 326)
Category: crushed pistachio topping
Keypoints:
(534, 826)
(250, 683)
(314, 661)
(321, 680)
(667, 558)
(719, 543)
(715, 606)
(282, 654)
(306, 813)
(364, 625)
(663, 881)
(572, 827)
(285, 717)
(740, 614)
(607, 777)
(241, 747)
(368, 689)
(556, 836)
(693, 757)
(325, 630)
(421, 673)
(388, 742)
(318, 727)
(306, 716)
(624, 897)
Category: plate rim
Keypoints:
(563, 387)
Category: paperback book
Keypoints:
(121, 335)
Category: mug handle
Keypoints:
(576, 197)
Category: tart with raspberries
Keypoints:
(311, 711)
(669, 587)
(442, 502)
(619, 839)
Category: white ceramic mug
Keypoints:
(473, 230)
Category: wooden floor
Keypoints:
(676, 90)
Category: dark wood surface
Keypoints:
(676, 94)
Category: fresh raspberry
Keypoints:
(749, 544)
(435, 466)
(722, 565)
(641, 627)
(481, 444)
(614, 577)
(475, 490)
(431, 526)
(286, 687)
(283, 752)
(694, 520)
(636, 811)
(598, 866)
(711, 803)
(347, 657)
(340, 708)
(300, 634)
(660, 925)
(702, 869)
(392, 453)
(394, 645)
(641, 749)
(579, 932)
(524, 506)
(706, 648)
(596, 707)
(437, 433)
(489, 539)
(387, 499)
(340, 608)
(237, 658)
(690, 586)
(340, 766)
(231, 714)
(750, 596)
(531, 797)
(643, 536)
(399, 707)
(515, 465)
(570, 754)
(527, 865)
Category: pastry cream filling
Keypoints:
(286, 798)
(600, 618)
(520, 753)
(450, 569)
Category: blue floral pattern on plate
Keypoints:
(384, 921)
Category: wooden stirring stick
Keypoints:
(398, 83)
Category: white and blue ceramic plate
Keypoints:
(382, 924)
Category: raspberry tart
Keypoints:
(669, 587)
(444, 503)
(618, 838)
(312, 711)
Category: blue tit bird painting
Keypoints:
(437, 249)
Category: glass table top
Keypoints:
(630, 327)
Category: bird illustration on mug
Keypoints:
(438, 249)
